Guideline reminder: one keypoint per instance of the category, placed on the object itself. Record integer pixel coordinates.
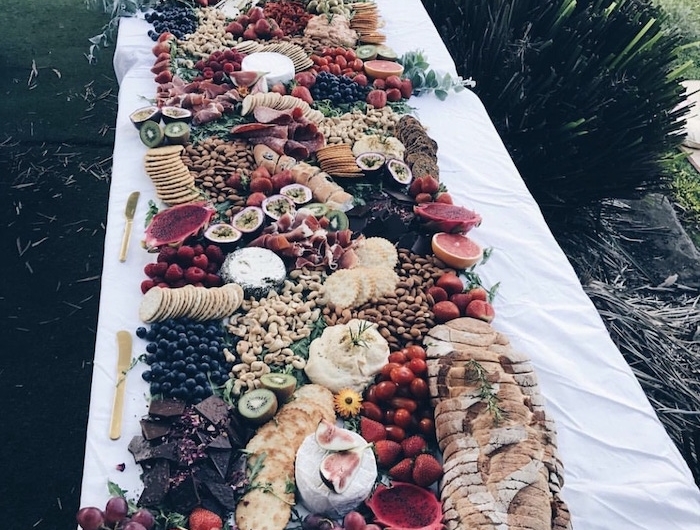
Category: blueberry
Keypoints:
(204, 368)
(172, 346)
(194, 340)
(141, 332)
(150, 358)
(155, 389)
(198, 391)
(179, 364)
(166, 387)
(214, 364)
(191, 369)
(146, 376)
(161, 354)
(151, 347)
(189, 350)
(181, 377)
(190, 383)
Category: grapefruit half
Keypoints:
(456, 250)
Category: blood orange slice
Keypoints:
(456, 250)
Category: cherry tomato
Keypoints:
(404, 403)
(418, 366)
(402, 418)
(334, 69)
(387, 368)
(427, 426)
(350, 55)
(395, 433)
(322, 61)
(415, 351)
(419, 388)
(398, 357)
(371, 411)
(385, 390)
(325, 68)
(402, 375)
(315, 58)
(339, 51)
(341, 61)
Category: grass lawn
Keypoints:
(685, 16)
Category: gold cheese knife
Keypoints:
(123, 365)
(129, 212)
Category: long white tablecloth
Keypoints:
(622, 471)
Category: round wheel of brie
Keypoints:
(278, 67)
(316, 496)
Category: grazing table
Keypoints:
(621, 469)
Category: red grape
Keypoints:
(354, 521)
(115, 510)
(133, 525)
(90, 518)
(145, 518)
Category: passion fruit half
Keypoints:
(172, 114)
(249, 219)
(277, 205)
(298, 193)
(222, 233)
(371, 163)
(144, 114)
(398, 174)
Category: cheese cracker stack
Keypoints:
(337, 160)
(173, 181)
(366, 22)
(274, 447)
(197, 303)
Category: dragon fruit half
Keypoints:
(439, 217)
(174, 225)
(406, 506)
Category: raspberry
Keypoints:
(173, 273)
(214, 253)
(201, 261)
(212, 280)
(167, 254)
(185, 255)
(146, 285)
(195, 275)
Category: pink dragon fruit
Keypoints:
(406, 506)
(174, 225)
(450, 218)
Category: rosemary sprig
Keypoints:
(486, 391)
(356, 337)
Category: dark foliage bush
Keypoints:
(582, 93)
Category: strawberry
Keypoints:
(413, 445)
(203, 519)
(403, 471)
(371, 430)
(173, 273)
(478, 293)
(214, 253)
(416, 187)
(388, 452)
(195, 274)
(185, 254)
(423, 197)
(481, 310)
(444, 198)
(430, 184)
(426, 470)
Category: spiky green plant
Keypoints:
(583, 92)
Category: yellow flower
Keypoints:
(347, 403)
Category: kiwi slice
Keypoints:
(337, 220)
(366, 52)
(258, 405)
(151, 133)
(283, 385)
(177, 132)
(317, 208)
(386, 53)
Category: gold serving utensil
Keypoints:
(123, 365)
(129, 212)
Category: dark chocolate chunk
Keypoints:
(143, 450)
(153, 429)
(220, 459)
(214, 409)
(224, 494)
(184, 497)
(156, 479)
(220, 442)
(166, 408)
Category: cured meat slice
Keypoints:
(501, 468)
(270, 115)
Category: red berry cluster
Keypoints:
(188, 264)
(254, 26)
(398, 402)
(218, 64)
(427, 188)
(339, 61)
(450, 300)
